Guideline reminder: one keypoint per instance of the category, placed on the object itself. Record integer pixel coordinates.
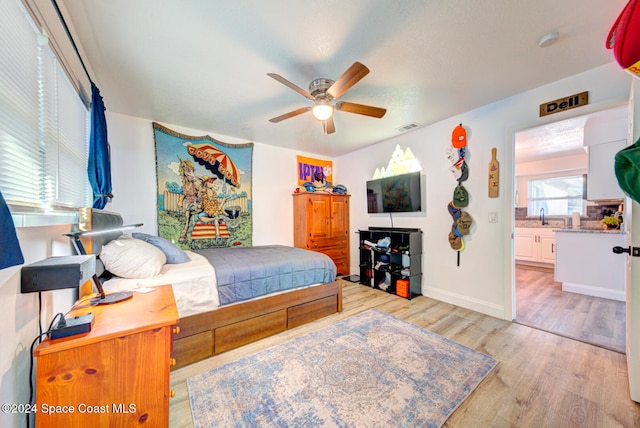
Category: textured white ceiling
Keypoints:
(203, 64)
(553, 140)
(562, 138)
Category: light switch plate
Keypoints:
(493, 217)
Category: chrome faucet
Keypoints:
(542, 217)
(619, 215)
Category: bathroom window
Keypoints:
(557, 195)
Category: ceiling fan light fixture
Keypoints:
(548, 39)
(323, 92)
(322, 110)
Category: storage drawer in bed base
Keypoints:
(190, 349)
(311, 311)
(248, 331)
(205, 335)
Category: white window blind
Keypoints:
(65, 123)
(20, 146)
(43, 121)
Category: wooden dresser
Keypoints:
(321, 223)
(117, 375)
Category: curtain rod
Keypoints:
(73, 43)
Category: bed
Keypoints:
(213, 321)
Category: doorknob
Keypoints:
(633, 251)
(620, 250)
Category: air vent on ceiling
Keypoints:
(408, 127)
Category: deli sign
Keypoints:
(567, 103)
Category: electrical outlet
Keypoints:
(493, 217)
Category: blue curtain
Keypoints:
(10, 252)
(99, 167)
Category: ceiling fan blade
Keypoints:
(290, 114)
(293, 86)
(328, 126)
(349, 78)
(361, 109)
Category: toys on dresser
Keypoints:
(321, 185)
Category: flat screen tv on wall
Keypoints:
(400, 193)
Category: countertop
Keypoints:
(552, 224)
(589, 226)
(590, 230)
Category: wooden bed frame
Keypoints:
(210, 333)
(206, 334)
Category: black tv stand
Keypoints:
(394, 229)
(391, 260)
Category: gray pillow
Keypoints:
(174, 254)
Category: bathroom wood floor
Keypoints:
(541, 303)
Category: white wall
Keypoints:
(19, 326)
(483, 282)
(134, 179)
(553, 165)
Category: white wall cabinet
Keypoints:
(601, 181)
(535, 245)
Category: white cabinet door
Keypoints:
(525, 247)
(533, 244)
(547, 249)
(601, 181)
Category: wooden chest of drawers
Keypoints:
(116, 375)
(321, 223)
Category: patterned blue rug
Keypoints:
(369, 370)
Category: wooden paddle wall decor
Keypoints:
(494, 175)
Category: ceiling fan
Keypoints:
(324, 91)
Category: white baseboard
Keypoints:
(477, 305)
(594, 291)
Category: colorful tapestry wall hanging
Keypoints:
(204, 190)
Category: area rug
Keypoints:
(369, 370)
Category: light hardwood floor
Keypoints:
(541, 303)
(541, 380)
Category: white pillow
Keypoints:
(127, 257)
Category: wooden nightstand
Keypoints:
(116, 375)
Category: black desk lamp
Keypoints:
(102, 298)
